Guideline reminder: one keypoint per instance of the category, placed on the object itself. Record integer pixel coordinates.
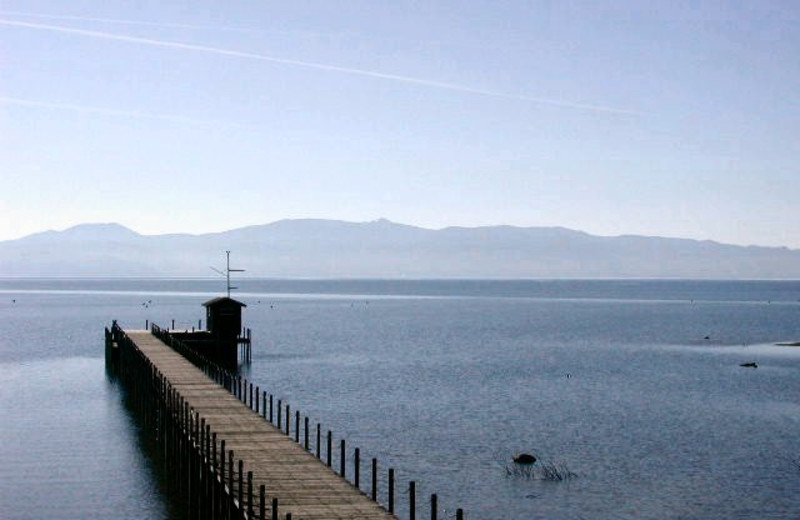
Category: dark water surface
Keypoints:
(444, 380)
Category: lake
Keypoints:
(635, 386)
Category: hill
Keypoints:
(383, 249)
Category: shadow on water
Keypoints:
(156, 465)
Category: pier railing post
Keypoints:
(231, 478)
(250, 494)
(357, 467)
(319, 440)
(240, 478)
(330, 448)
(342, 454)
(374, 480)
(222, 463)
(262, 502)
(391, 490)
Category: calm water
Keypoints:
(445, 381)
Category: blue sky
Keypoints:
(657, 118)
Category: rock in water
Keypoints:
(752, 364)
(524, 458)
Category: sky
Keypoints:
(674, 118)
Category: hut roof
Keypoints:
(222, 300)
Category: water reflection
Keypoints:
(68, 447)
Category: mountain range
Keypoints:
(382, 249)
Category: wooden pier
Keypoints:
(220, 447)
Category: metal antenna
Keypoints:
(227, 272)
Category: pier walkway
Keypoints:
(293, 477)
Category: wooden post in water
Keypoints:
(262, 502)
(319, 440)
(208, 443)
(434, 507)
(250, 494)
(240, 478)
(357, 467)
(412, 500)
(330, 448)
(222, 462)
(391, 490)
(342, 465)
(374, 479)
(231, 477)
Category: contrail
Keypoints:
(140, 22)
(317, 66)
(110, 111)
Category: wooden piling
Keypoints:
(412, 500)
(357, 468)
(330, 448)
(374, 480)
(391, 490)
(342, 465)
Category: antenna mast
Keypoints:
(228, 272)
